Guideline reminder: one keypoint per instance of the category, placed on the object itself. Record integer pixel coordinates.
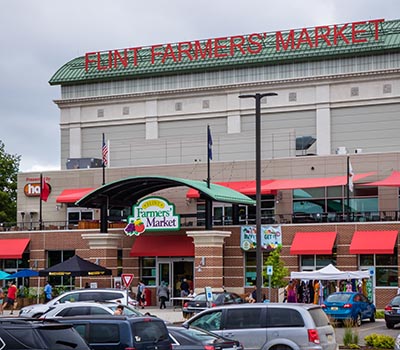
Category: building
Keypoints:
(338, 98)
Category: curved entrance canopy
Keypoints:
(128, 191)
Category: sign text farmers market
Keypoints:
(253, 44)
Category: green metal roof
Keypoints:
(128, 191)
(74, 71)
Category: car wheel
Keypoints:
(281, 347)
(358, 320)
(372, 318)
(389, 325)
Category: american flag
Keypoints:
(104, 152)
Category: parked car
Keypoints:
(269, 325)
(86, 308)
(351, 306)
(392, 312)
(199, 339)
(397, 343)
(121, 332)
(24, 334)
(199, 302)
(87, 294)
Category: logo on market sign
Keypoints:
(152, 214)
(32, 188)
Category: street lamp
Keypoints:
(259, 257)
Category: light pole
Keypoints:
(259, 257)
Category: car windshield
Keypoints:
(396, 301)
(338, 298)
(202, 297)
(127, 310)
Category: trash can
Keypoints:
(147, 295)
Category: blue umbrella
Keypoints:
(3, 275)
(23, 273)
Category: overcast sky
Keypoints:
(38, 37)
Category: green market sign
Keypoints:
(152, 214)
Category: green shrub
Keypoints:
(350, 338)
(379, 341)
(380, 314)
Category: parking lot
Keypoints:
(367, 328)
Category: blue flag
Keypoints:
(209, 142)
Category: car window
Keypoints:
(75, 311)
(364, 299)
(341, 298)
(69, 298)
(103, 333)
(149, 331)
(396, 301)
(94, 310)
(210, 321)
(283, 317)
(61, 338)
(243, 318)
(319, 316)
(81, 329)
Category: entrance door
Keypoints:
(165, 275)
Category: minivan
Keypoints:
(270, 325)
(121, 332)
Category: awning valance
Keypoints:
(373, 242)
(72, 195)
(13, 248)
(167, 245)
(310, 243)
(245, 187)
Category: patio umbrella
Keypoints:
(23, 274)
(75, 266)
(3, 275)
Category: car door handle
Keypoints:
(229, 335)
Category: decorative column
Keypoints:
(209, 258)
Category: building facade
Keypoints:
(338, 95)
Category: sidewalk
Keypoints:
(170, 314)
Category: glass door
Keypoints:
(165, 276)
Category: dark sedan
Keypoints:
(392, 312)
(198, 339)
(200, 303)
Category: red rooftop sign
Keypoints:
(253, 44)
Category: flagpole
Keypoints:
(40, 203)
(102, 157)
(348, 188)
(209, 223)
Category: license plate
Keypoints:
(334, 308)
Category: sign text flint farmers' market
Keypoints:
(253, 44)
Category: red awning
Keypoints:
(373, 242)
(168, 245)
(310, 243)
(312, 182)
(393, 180)
(72, 195)
(245, 187)
(13, 248)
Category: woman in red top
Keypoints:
(11, 297)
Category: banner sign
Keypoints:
(152, 214)
(271, 237)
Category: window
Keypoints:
(251, 268)
(281, 317)
(243, 318)
(386, 269)
(148, 271)
(316, 262)
(210, 321)
(104, 333)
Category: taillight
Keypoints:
(185, 304)
(209, 347)
(347, 306)
(213, 305)
(313, 336)
(388, 308)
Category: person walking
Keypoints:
(11, 297)
(48, 292)
(163, 294)
(140, 295)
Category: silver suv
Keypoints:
(88, 294)
(270, 326)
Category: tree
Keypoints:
(280, 272)
(9, 166)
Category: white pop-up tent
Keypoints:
(329, 272)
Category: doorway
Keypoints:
(173, 271)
